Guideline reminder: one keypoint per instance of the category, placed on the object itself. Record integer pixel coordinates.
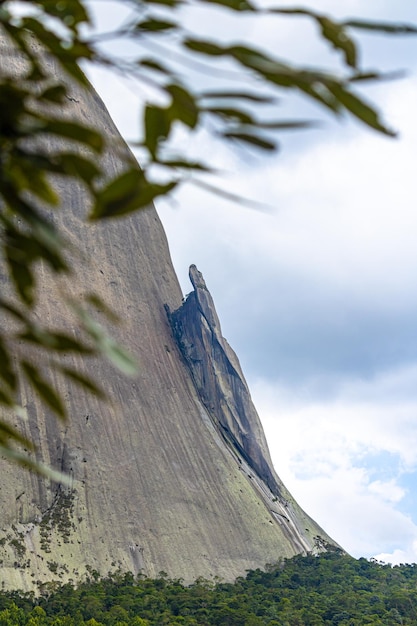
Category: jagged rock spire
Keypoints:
(219, 380)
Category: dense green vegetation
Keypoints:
(332, 588)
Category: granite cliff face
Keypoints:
(219, 380)
(172, 473)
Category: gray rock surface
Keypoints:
(156, 483)
(219, 380)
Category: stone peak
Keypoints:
(196, 278)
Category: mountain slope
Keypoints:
(156, 484)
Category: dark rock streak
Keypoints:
(219, 380)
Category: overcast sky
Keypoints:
(318, 294)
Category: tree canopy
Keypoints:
(331, 588)
(166, 54)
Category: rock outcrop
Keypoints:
(219, 380)
(172, 472)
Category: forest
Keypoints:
(330, 588)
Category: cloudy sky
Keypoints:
(317, 294)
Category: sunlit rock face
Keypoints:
(172, 472)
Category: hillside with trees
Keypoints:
(332, 588)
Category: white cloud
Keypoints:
(348, 214)
(396, 557)
(344, 461)
(363, 523)
(343, 210)
(388, 491)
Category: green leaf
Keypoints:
(109, 348)
(7, 372)
(23, 249)
(44, 389)
(358, 108)
(157, 126)
(5, 398)
(55, 94)
(40, 468)
(239, 95)
(156, 26)
(188, 165)
(96, 301)
(337, 36)
(70, 12)
(332, 31)
(8, 432)
(129, 192)
(23, 278)
(235, 5)
(254, 140)
(204, 47)
(227, 195)
(321, 94)
(54, 341)
(155, 65)
(14, 311)
(122, 195)
(288, 125)
(78, 166)
(76, 132)
(289, 11)
(184, 106)
(68, 54)
(48, 238)
(230, 113)
(173, 4)
(383, 27)
(120, 358)
(254, 59)
(364, 76)
(17, 35)
(25, 175)
(83, 381)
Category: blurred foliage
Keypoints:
(31, 113)
(332, 588)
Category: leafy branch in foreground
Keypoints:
(167, 59)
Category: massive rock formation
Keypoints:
(172, 472)
(219, 379)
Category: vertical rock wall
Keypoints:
(157, 482)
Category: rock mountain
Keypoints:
(173, 472)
